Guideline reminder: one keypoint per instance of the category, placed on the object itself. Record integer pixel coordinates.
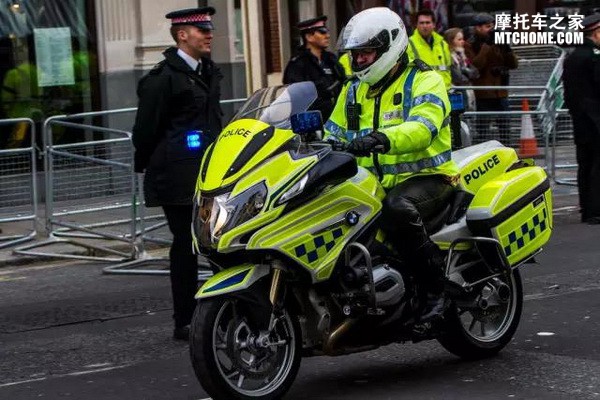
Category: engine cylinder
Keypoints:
(389, 285)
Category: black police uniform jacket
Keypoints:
(581, 78)
(174, 101)
(328, 77)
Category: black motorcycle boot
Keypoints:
(431, 277)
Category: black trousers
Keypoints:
(484, 121)
(183, 264)
(407, 205)
(587, 140)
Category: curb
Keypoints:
(9, 259)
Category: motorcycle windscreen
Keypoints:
(277, 104)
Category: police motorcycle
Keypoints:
(291, 229)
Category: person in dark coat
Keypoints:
(581, 78)
(314, 63)
(493, 61)
(178, 117)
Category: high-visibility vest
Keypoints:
(413, 112)
(437, 56)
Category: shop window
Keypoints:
(47, 66)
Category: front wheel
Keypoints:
(234, 361)
(482, 328)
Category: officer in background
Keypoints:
(314, 63)
(427, 45)
(581, 77)
(178, 117)
(400, 110)
(21, 98)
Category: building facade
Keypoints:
(71, 56)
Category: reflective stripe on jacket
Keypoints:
(437, 57)
(413, 112)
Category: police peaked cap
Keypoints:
(591, 22)
(200, 17)
(482, 18)
(313, 23)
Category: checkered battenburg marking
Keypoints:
(526, 233)
(319, 246)
(191, 18)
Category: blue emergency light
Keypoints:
(193, 140)
(306, 122)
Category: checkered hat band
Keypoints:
(191, 18)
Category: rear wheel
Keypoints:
(481, 328)
(234, 361)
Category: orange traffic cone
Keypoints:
(528, 142)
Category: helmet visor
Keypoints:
(355, 42)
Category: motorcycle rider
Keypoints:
(400, 109)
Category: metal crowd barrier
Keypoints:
(505, 126)
(544, 65)
(18, 188)
(537, 52)
(89, 188)
(564, 157)
(536, 64)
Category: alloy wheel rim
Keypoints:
(249, 369)
(488, 322)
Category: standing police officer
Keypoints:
(178, 117)
(314, 63)
(581, 77)
(400, 110)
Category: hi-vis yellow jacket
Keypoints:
(437, 56)
(413, 112)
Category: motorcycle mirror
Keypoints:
(306, 123)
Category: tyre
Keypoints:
(482, 328)
(233, 361)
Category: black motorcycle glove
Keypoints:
(373, 142)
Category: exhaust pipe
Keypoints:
(335, 336)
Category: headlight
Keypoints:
(214, 216)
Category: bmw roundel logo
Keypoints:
(352, 217)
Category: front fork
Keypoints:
(275, 296)
(276, 292)
(264, 338)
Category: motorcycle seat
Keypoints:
(455, 208)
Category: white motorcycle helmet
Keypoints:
(379, 28)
